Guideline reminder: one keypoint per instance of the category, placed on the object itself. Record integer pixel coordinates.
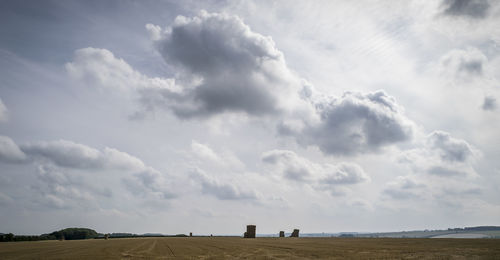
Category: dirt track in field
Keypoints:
(259, 248)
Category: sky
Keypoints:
(205, 116)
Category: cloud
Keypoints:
(223, 191)
(355, 123)
(338, 177)
(331, 177)
(225, 159)
(150, 182)
(292, 166)
(203, 151)
(464, 63)
(74, 155)
(55, 157)
(66, 154)
(5, 199)
(345, 174)
(442, 155)
(10, 152)
(450, 149)
(489, 103)
(441, 168)
(3, 112)
(432, 189)
(145, 180)
(59, 189)
(99, 67)
(404, 187)
(445, 171)
(232, 68)
(469, 8)
(361, 204)
(222, 66)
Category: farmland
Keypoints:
(260, 248)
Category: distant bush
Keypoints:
(16, 238)
(482, 228)
(72, 234)
(122, 235)
(6, 237)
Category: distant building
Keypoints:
(295, 233)
(282, 233)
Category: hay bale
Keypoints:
(295, 233)
(282, 233)
(250, 231)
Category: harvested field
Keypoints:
(259, 248)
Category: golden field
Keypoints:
(259, 248)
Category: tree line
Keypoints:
(63, 234)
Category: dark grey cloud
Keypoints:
(445, 172)
(472, 191)
(220, 190)
(469, 8)
(233, 68)
(472, 66)
(449, 148)
(489, 103)
(10, 152)
(464, 62)
(355, 123)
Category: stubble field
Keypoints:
(259, 248)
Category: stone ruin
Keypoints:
(250, 231)
(295, 233)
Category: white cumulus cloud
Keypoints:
(335, 178)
